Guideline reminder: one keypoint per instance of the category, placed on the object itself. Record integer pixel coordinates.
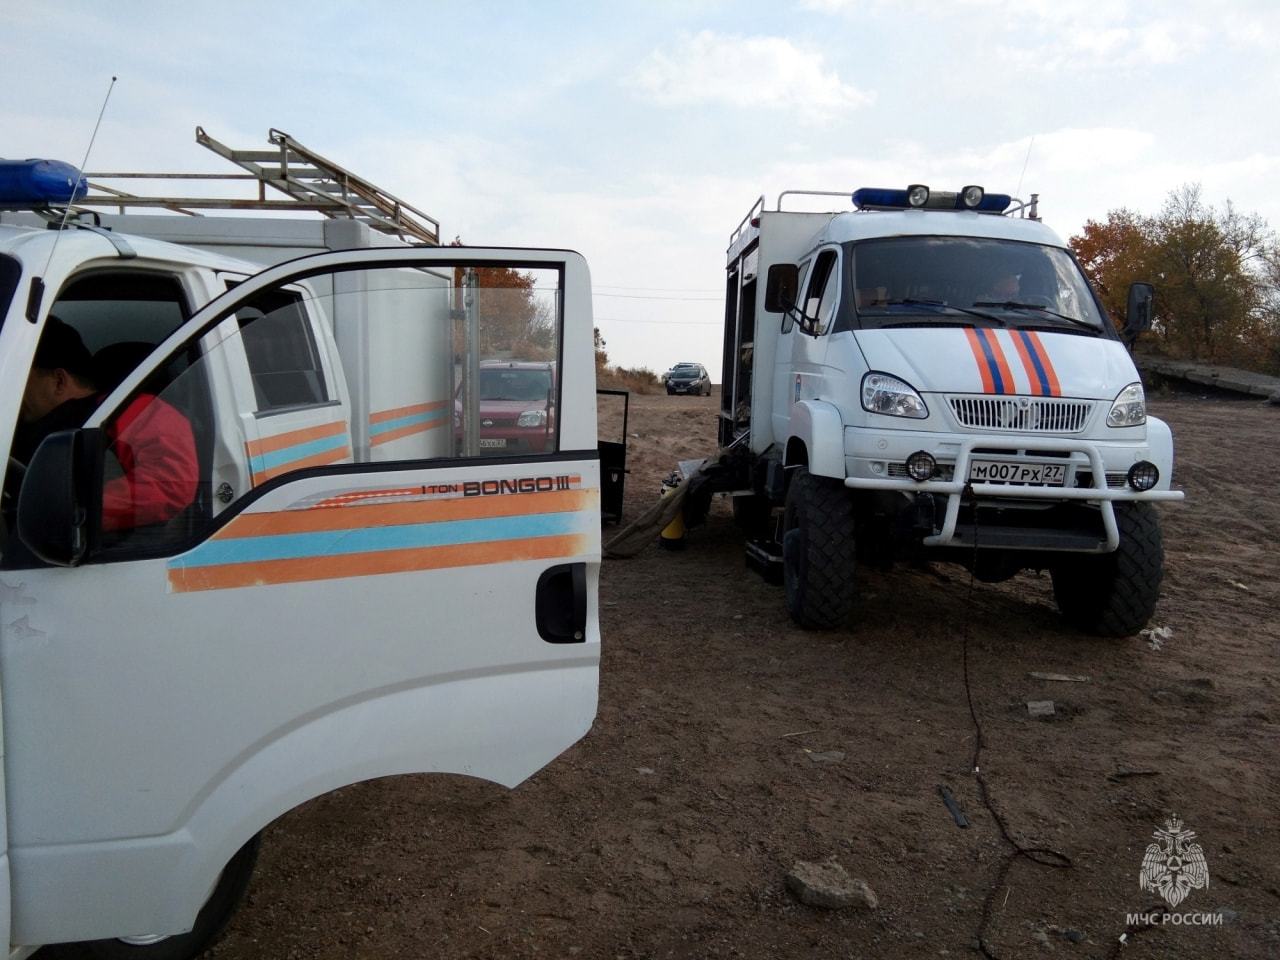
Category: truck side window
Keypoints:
(820, 302)
(284, 360)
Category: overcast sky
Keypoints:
(640, 134)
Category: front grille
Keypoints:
(1116, 481)
(944, 473)
(1022, 414)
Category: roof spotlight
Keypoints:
(971, 196)
(1144, 475)
(921, 466)
(917, 195)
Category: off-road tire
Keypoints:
(210, 921)
(1114, 594)
(818, 550)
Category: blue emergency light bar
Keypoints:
(918, 196)
(27, 184)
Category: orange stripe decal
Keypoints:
(1046, 365)
(303, 569)
(1029, 365)
(1003, 373)
(292, 438)
(398, 412)
(980, 355)
(365, 515)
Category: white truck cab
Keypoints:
(930, 376)
(346, 592)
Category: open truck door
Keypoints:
(331, 590)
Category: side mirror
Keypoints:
(52, 508)
(1140, 310)
(780, 288)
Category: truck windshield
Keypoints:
(969, 281)
(10, 271)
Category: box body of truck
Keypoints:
(350, 591)
(937, 382)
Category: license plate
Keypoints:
(1006, 471)
(499, 442)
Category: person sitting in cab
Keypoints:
(152, 441)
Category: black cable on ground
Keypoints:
(1045, 856)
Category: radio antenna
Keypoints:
(83, 163)
(1024, 165)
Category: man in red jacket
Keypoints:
(151, 439)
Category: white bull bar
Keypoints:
(956, 490)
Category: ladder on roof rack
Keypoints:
(308, 180)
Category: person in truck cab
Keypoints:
(1002, 287)
(152, 441)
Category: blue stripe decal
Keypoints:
(996, 379)
(396, 424)
(278, 458)
(329, 543)
(1036, 361)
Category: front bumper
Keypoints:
(871, 460)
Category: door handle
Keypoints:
(560, 606)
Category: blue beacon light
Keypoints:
(26, 184)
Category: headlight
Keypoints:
(921, 466)
(892, 397)
(1143, 475)
(1129, 408)
(532, 418)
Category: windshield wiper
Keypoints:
(1038, 308)
(940, 304)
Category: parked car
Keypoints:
(689, 378)
(517, 406)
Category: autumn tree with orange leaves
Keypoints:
(1216, 274)
(516, 320)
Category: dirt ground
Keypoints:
(730, 745)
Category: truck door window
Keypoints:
(422, 363)
(121, 315)
(820, 302)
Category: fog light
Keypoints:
(971, 197)
(921, 466)
(917, 195)
(1144, 475)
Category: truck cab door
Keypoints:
(222, 652)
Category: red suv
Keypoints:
(517, 407)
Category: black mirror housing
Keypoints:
(781, 287)
(1140, 309)
(52, 505)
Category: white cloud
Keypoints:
(761, 73)
(1055, 36)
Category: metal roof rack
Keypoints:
(308, 181)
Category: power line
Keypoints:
(679, 323)
(615, 286)
(637, 296)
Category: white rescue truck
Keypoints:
(352, 591)
(930, 376)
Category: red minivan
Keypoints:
(517, 407)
